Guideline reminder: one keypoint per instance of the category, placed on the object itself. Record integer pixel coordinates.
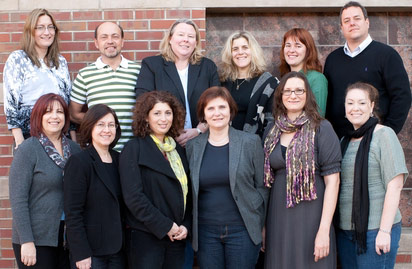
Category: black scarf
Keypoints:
(360, 204)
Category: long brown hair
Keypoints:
(28, 42)
(311, 60)
(310, 108)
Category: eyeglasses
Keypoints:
(42, 28)
(102, 126)
(296, 92)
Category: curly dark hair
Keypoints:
(310, 108)
(146, 102)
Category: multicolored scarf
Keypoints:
(169, 148)
(52, 152)
(300, 158)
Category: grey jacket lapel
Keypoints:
(198, 151)
(235, 146)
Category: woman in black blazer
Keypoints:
(181, 70)
(153, 174)
(92, 194)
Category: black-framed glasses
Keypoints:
(42, 28)
(296, 92)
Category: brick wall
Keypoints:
(143, 31)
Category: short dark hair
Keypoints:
(40, 108)
(310, 108)
(118, 25)
(353, 4)
(146, 102)
(213, 93)
(370, 90)
(92, 116)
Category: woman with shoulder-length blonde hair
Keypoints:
(182, 70)
(243, 73)
(299, 54)
(34, 70)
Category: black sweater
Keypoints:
(379, 65)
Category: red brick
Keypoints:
(129, 35)
(5, 243)
(6, 140)
(6, 150)
(91, 46)
(202, 34)
(72, 26)
(134, 25)
(5, 213)
(7, 253)
(129, 55)
(150, 14)
(198, 14)
(154, 45)
(4, 37)
(3, 59)
(5, 223)
(85, 57)
(4, 17)
(149, 35)
(87, 15)
(18, 16)
(83, 36)
(67, 56)
(5, 233)
(6, 160)
(140, 55)
(75, 67)
(61, 16)
(118, 15)
(9, 263)
(72, 46)
(16, 37)
(4, 130)
(4, 203)
(11, 27)
(4, 171)
(161, 24)
(135, 45)
(1, 68)
(403, 258)
(91, 25)
(65, 36)
(3, 119)
(200, 23)
(177, 14)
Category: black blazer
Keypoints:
(152, 193)
(92, 208)
(158, 74)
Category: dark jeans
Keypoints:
(347, 250)
(146, 251)
(112, 261)
(47, 257)
(226, 246)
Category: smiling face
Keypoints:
(358, 107)
(160, 120)
(104, 132)
(241, 54)
(183, 40)
(43, 39)
(354, 26)
(109, 40)
(217, 113)
(294, 52)
(294, 103)
(53, 120)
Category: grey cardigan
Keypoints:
(36, 194)
(245, 176)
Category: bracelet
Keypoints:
(385, 231)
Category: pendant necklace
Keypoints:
(238, 85)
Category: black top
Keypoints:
(113, 172)
(216, 203)
(379, 65)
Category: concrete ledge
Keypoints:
(405, 244)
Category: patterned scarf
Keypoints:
(169, 148)
(52, 152)
(300, 160)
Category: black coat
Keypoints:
(159, 74)
(152, 193)
(92, 208)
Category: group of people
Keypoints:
(178, 155)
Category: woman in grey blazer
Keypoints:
(229, 198)
(36, 186)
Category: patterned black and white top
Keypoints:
(24, 83)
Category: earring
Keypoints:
(371, 114)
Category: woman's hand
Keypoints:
(186, 135)
(28, 254)
(173, 231)
(182, 234)
(84, 264)
(263, 247)
(382, 242)
(321, 245)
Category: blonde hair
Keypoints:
(28, 42)
(228, 69)
(166, 50)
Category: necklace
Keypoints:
(220, 142)
(237, 83)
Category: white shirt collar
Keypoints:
(123, 63)
(362, 46)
